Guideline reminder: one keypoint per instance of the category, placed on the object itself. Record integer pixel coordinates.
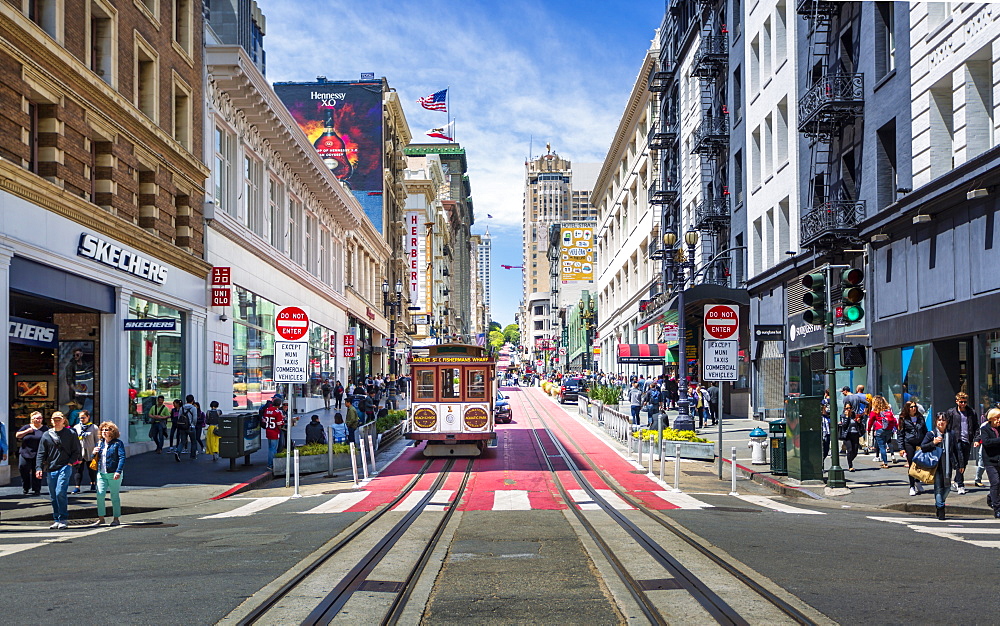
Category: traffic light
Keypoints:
(814, 298)
(852, 293)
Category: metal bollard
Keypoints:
(650, 448)
(677, 467)
(371, 450)
(659, 440)
(733, 491)
(354, 464)
(364, 459)
(329, 451)
(296, 494)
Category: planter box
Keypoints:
(315, 463)
(691, 450)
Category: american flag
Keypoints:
(436, 101)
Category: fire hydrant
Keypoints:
(758, 443)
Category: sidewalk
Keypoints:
(869, 485)
(156, 481)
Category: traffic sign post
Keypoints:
(291, 363)
(722, 321)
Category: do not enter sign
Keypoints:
(722, 321)
(291, 323)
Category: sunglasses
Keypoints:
(106, 430)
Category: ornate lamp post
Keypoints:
(392, 306)
(675, 278)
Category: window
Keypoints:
(182, 114)
(781, 134)
(312, 244)
(887, 182)
(737, 18)
(324, 256)
(425, 384)
(780, 29)
(152, 7)
(101, 33)
(295, 232)
(155, 362)
(476, 385)
(275, 216)
(223, 172)
(849, 175)
(885, 38)
(755, 66)
(938, 13)
(182, 24)
(738, 176)
(451, 383)
(768, 145)
(146, 83)
(539, 325)
(252, 173)
(49, 15)
(738, 94)
(755, 159)
(784, 231)
(758, 246)
(942, 114)
(979, 103)
(253, 336)
(765, 51)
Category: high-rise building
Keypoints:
(483, 265)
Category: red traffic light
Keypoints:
(853, 277)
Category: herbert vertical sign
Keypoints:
(291, 355)
(720, 361)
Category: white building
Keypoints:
(484, 263)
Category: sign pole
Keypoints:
(288, 434)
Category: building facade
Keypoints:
(484, 269)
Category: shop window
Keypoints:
(321, 360)
(253, 349)
(425, 384)
(476, 385)
(451, 383)
(905, 374)
(156, 364)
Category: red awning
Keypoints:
(642, 353)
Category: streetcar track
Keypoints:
(720, 610)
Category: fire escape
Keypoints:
(664, 182)
(833, 102)
(711, 141)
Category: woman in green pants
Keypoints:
(110, 464)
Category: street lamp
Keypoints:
(684, 420)
(392, 305)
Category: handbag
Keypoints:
(95, 462)
(927, 460)
(924, 475)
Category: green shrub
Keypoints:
(312, 449)
(608, 394)
(389, 420)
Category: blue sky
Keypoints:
(520, 73)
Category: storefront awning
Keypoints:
(642, 353)
(695, 297)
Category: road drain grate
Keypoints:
(733, 509)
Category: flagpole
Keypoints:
(447, 103)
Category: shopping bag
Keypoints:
(922, 474)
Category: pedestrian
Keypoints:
(850, 430)
(315, 433)
(326, 390)
(912, 430)
(272, 420)
(213, 418)
(390, 393)
(87, 433)
(187, 423)
(635, 401)
(964, 425)
(713, 402)
(883, 424)
(338, 394)
(30, 436)
(352, 422)
(651, 405)
(339, 430)
(175, 412)
(110, 468)
(824, 414)
(369, 406)
(989, 451)
(58, 452)
(672, 395)
(940, 440)
(199, 428)
(159, 413)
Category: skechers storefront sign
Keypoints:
(93, 247)
(151, 324)
(32, 333)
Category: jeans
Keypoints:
(942, 486)
(157, 432)
(272, 449)
(106, 483)
(852, 444)
(966, 449)
(183, 436)
(58, 490)
(882, 441)
(635, 413)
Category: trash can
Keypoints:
(758, 446)
(239, 436)
(779, 448)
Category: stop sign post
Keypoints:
(291, 323)
(722, 321)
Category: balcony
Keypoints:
(663, 192)
(663, 134)
(837, 219)
(712, 212)
(817, 8)
(832, 103)
(712, 57)
(660, 79)
(712, 136)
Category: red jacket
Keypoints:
(883, 421)
(272, 422)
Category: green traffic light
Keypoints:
(853, 313)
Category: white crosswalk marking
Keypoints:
(439, 502)
(339, 503)
(956, 530)
(249, 509)
(586, 503)
(511, 500)
(682, 500)
(44, 537)
(780, 507)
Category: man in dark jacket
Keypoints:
(58, 452)
(964, 429)
(369, 405)
(989, 438)
(315, 433)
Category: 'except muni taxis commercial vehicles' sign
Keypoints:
(291, 362)
(720, 360)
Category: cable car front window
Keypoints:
(477, 385)
(425, 384)
(451, 383)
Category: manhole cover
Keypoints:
(82, 522)
(387, 586)
(696, 473)
(659, 584)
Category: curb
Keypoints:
(907, 507)
(774, 484)
(253, 483)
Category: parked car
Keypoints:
(571, 389)
(501, 410)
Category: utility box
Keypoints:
(240, 435)
(804, 429)
(779, 447)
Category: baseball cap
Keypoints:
(278, 397)
(845, 388)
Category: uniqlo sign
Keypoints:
(349, 340)
(349, 351)
(220, 276)
(220, 353)
(221, 296)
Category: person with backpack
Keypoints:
(212, 419)
(883, 425)
(187, 425)
(849, 431)
(652, 402)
